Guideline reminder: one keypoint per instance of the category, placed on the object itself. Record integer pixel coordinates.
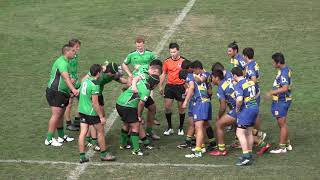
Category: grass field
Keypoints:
(32, 33)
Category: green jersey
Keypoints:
(88, 88)
(102, 80)
(73, 64)
(142, 71)
(56, 82)
(137, 58)
(130, 99)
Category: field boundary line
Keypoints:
(114, 163)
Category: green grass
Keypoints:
(32, 33)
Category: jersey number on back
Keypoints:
(84, 88)
(252, 91)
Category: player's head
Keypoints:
(278, 59)
(233, 49)
(174, 50)
(217, 76)
(75, 43)
(217, 66)
(237, 73)
(68, 51)
(111, 68)
(155, 70)
(95, 70)
(183, 74)
(197, 67)
(140, 43)
(186, 64)
(156, 62)
(153, 81)
(248, 53)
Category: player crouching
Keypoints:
(91, 114)
(130, 106)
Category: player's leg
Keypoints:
(56, 113)
(180, 96)
(199, 139)
(150, 118)
(279, 111)
(104, 155)
(134, 137)
(143, 137)
(243, 134)
(84, 130)
(168, 112)
(181, 118)
(124, 136)
(62, 137)
(190, 134)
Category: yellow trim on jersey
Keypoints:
(225, 85)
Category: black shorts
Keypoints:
(127, 114)
(100, 100)
(149, 102)
(57, 98)
(176, 92)
(91, 120)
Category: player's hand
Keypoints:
(134, 89)
(75, 92)
(103, 120)
(141, 120)
(73, 81)
(161, 91)
(184, 105)
(268, 95)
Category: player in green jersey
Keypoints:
(110, 73)
(57, 94)
(73, 64)
(140, 56)
(91, 114)
(130, 106)
(142, 74)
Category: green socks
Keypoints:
(82, 155)
(60, 132)
(49, 136)
(135, 141)
(103, 154)
(124, 137)
(149, 130)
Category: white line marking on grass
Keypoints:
(115, 164)
(114, 115)
(174, 26)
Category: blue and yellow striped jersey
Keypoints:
(226, 92)
(246, 89)
(237, 61)
(283, 78)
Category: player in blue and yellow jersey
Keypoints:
(201, 107)
(236, 58)
(226, 96)
(252, 72)
(281, 100)
(247, 110)
(226, 74)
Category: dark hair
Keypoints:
(196, 64)
(249, 52)
(278, 58)
(217, 66)
(73, 42)
(183, 74)
(174, 45)
(112, 68)
(65, 48)
(156, 62)
(186, 64)
(140, 39)
(95, 69)
(218, 73)
(234, 46)
(159, 68)
(237, 71)
(153, 80)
